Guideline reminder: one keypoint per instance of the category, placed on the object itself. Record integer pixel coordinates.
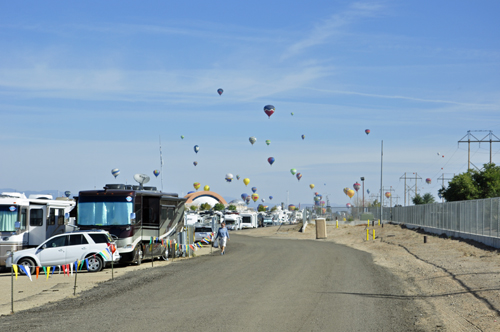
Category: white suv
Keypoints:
(68, 248)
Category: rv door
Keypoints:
(36, 225)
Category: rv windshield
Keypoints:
(229, 222)
(104, 210)
(8, 217)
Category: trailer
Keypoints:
(248, 220)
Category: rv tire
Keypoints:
(138, 254)
(28, 263)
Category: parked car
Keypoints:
(202, 231)
(68, 248)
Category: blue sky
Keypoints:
(88, 87)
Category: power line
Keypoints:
(477, 140)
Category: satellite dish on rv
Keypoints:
(141, 179)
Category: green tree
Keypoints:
(205, 207)
(261, 208)
(193, 208)
(274, 208)
(474, 184)
(231, 208)
(219, 207)
(425, 199)
(375, 203)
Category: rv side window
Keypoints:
(52, 217)
(23, 219)
(36, 217)
(60, 217)
(77, 239)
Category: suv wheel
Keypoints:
(28, 264)
(95, 263)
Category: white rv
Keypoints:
(193, 218)
(27, 222)
(248, 219)
(233, 221)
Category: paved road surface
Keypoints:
(260, 284)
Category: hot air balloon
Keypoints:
(345, 190)
(368, 191)
(247, 200)
(291, 113)
(311, 186)
(268, 141)
(262, 200)
(291, 207)
(350, 193)
(442, 156)
(196, 185)
(303, 136)
(67, 193)
(206, 188)
(237, 177)
(254, 189)
(196, 148)
(316, 194)
(270, 160)
(246, 181)
(293, 171)
(428, 180)
(317, 198)
(320, 196)
(252, 140)
(156, 172)
(182, 136)
(323, 210)
(298, 176)
(348, 205)
(195, 163)
(367, 131)
(269, 110)
(356, 186)
(115, 172)
(255, 197)
(322, 203)
(229, 177)
(220, 91)
(244, 196)
(271, 198)
(387, 194)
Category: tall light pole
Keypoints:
(363, 182)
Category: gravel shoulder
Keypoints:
(457, 282)
(31, 294)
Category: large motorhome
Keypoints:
(134, 216)
(27, 222)
(248, 220)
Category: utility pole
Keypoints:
(408, 188)
(405, 184)
(443, 178)
(490, 135)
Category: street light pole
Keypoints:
(363, 182)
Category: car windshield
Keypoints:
(229, 222)
(104, 210)
(8, 217)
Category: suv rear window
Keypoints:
(203, 229)
(99, 238)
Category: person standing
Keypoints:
(223, 237)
